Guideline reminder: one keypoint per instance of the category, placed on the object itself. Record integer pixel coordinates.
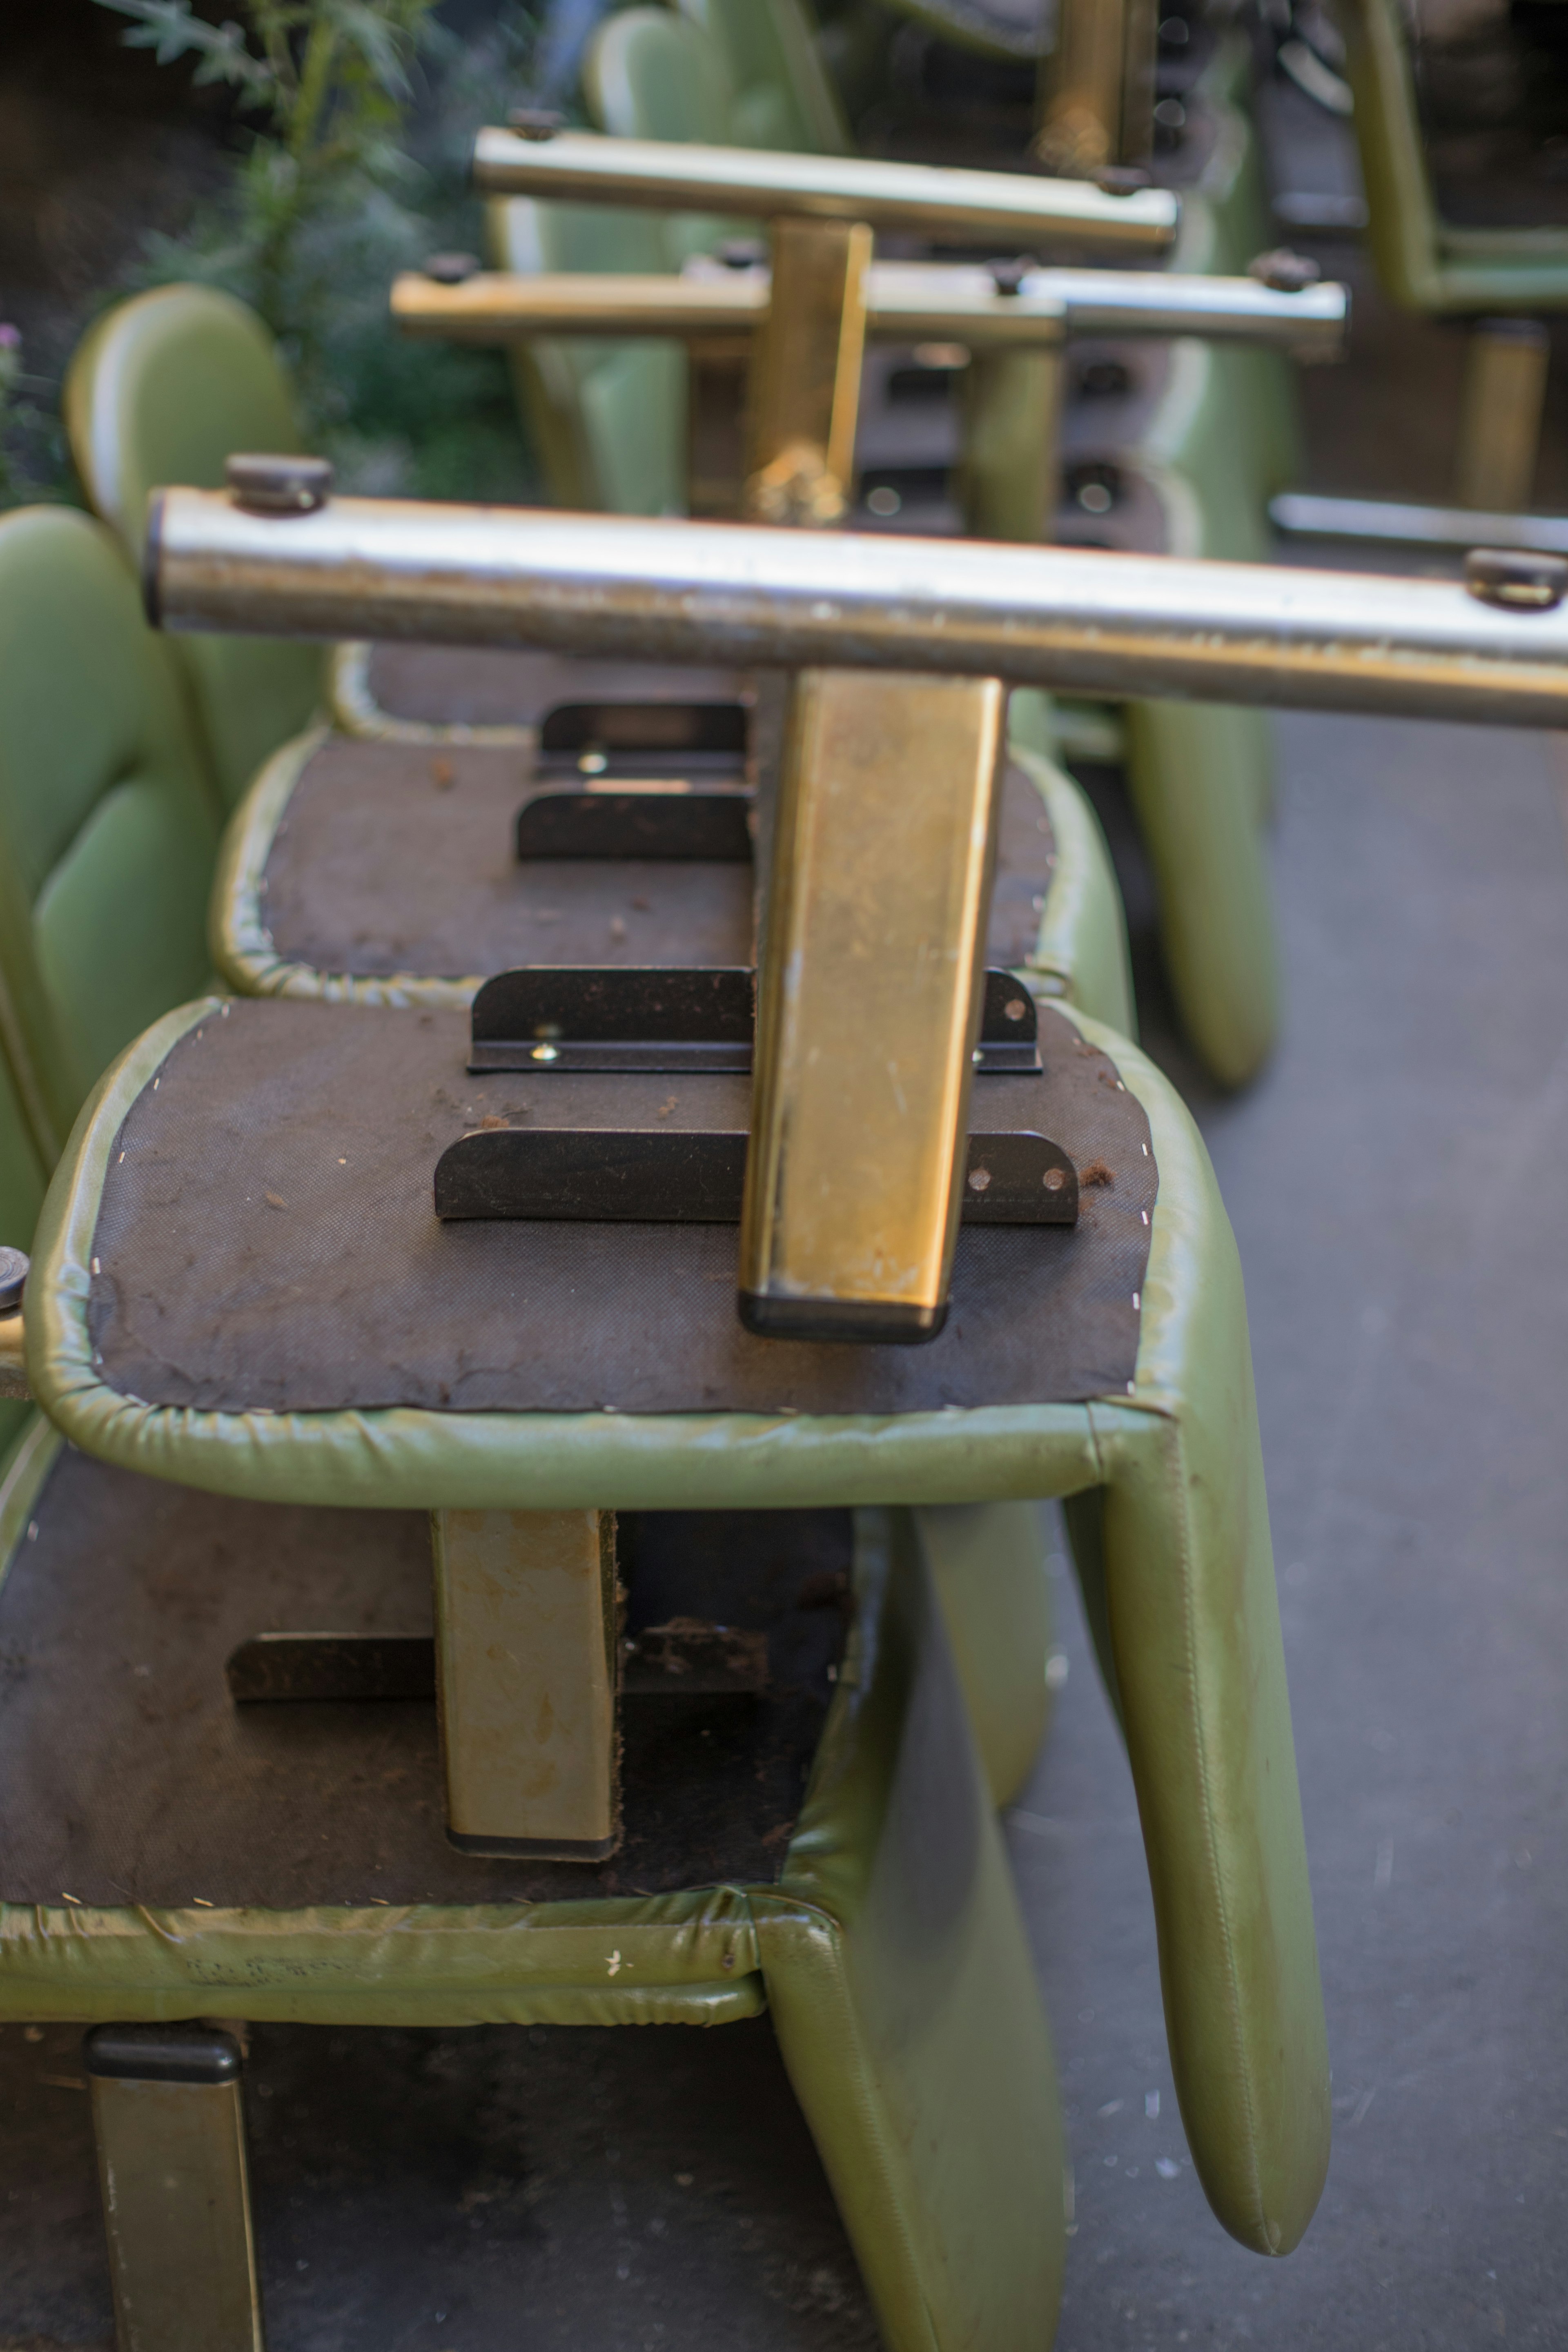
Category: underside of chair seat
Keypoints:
(118, 1614)
(267, 1241)
(396, 863)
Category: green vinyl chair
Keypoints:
(783, 95)
(22, 1180)
(171, 382)
(108, 832)
(126, 1912)
(307, 1360)
(883, 1936)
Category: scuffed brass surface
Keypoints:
(526, 1622)
(868, 997)
(804, 394)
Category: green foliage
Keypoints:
(360, 115)
(33, 463)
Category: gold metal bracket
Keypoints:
(805, 381)
(168, 2119)
(1499, 418)
(1097, 90)
(527, 1619)
(859, 1127)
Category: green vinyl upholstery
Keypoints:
(784, 96)
(22, 1176)
(921, 2060)
(162, 389)
(608, 419)
(106, 832)
(1175, 1553)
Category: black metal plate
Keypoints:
(685, 1659)
(568, 1017)
(708, 828)
(563, 1017)
(694, 740)
(661, 1176)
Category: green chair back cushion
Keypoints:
(783, 98)
(162, 390)
(609, 420)
(106, 832)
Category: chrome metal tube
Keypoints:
(679, 177)
(618, 585)
(905, 302)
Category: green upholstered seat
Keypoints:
(387, 874)
(607, 420)
(162, 389)
(107, 830)
(854, 1885)
(382, 874)
(1109, 1365)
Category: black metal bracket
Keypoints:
(688, 1658)
(697, 1176)
(569, 1017)
(671, 1018)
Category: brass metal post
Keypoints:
(1098, 88)
(804, 393)
(527, 1616)
(168, 2119)
(869, 1005)
(1499, 418)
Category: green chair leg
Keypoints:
(1180, 1595)
(902, 1993)
(169, 2121)
(1193, 770)
(988, 1563)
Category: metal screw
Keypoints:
(1007, 276)
(1054, 1179)
(14, 1265)
(1014, 1008)
(267, 484)
(1284, 271)
(1518, 582)
(451, 269)
(979, 1179)
(546, 1053)
(535, 121)
(742, 253)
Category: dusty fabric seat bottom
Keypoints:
(127, 1775)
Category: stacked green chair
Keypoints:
(109, 831)
(882, 1933)
(1070, 942)
(176, 380)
